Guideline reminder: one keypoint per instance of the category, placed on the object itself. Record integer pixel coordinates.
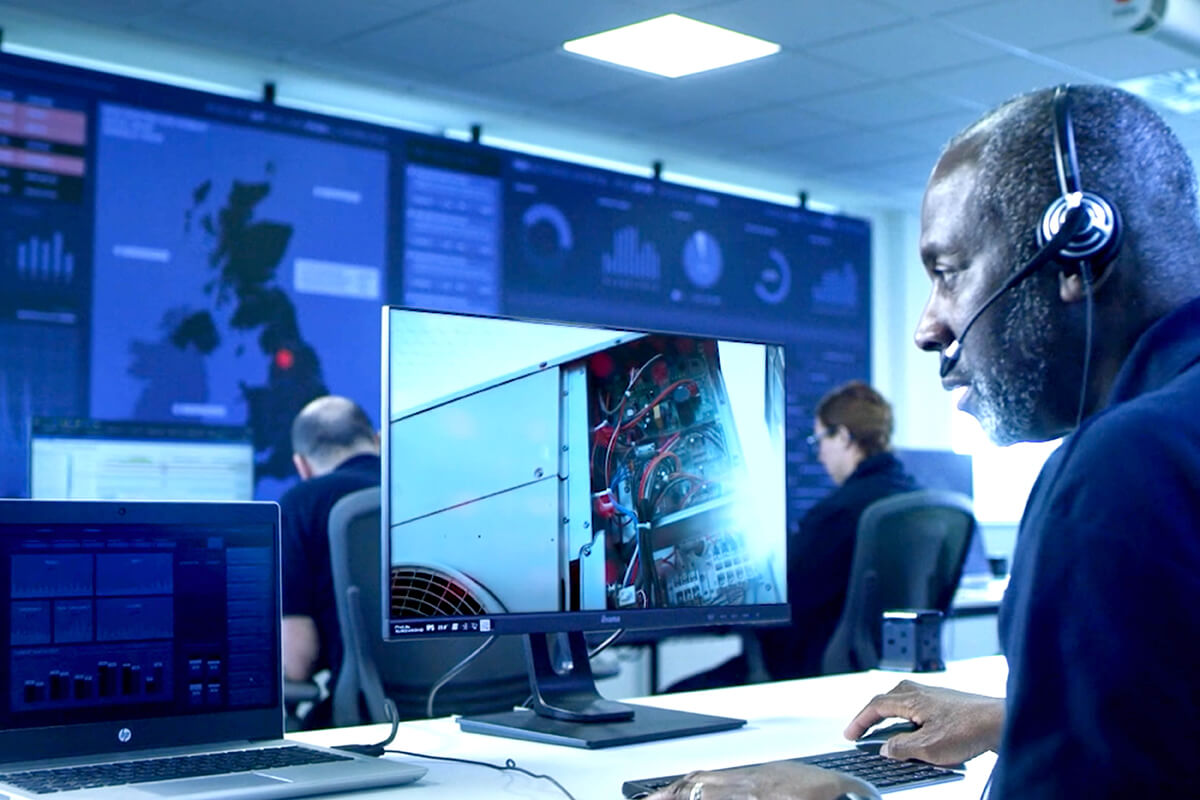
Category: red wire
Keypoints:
(649, 470)
(661, 395)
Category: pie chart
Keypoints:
(702, 261)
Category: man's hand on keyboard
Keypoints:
(954, 726)
(784, 780)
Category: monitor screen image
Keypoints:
(555, 478)
(79, 459)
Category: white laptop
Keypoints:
(141, 639)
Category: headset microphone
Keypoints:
(1075, 220)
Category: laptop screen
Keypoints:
(126, 613)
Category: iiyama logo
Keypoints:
(124, 735)
(609, 619)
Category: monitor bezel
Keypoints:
(549, 622)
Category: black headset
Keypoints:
(1099, 238)
(1078, 227)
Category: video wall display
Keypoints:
(173, 255)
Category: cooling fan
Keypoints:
(419, 590)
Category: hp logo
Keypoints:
(124, 735)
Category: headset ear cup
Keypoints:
(1097, 242)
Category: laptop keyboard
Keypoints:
(47, 781)
(885, 774)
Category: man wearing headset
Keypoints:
(1077, 273)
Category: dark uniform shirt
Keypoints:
(819, 557)
(1100, 622)
(307, 576)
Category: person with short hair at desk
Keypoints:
(1062, 232)
(336, 451)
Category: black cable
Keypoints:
(378, 749)
(453, 671)
(508, 766)
(1085, 273)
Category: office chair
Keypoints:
(373, 669)
(909, 553)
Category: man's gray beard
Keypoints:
(1010, 385)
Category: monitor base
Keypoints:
(649, 724)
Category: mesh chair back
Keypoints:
(908, 553)
(404, 671)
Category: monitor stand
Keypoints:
(568, 710)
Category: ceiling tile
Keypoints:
(181, 27)
(936, 131)
(911, 173)
(437, 44)
(932, 7)
(548, 22)
(991, 83)
(788, 76)
(1118, 56)
(113, 12)
(771, 127)
(799, 24)
(906, 50)
(1032, 24)
(888, 104)
(552, 77)
(308, 22)
(666, 102)
(861, 149)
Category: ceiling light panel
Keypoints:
(672, 45)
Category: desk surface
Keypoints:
(786, 719)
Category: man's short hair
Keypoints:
(862, 411)
(1127, 154)
(330, 425)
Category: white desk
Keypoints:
(786, 719)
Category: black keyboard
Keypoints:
(885, 774)
(63, 779)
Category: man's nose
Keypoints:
(932, 333)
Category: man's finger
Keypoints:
(882, 707)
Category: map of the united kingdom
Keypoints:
(239, 274)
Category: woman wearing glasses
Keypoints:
(852, 432)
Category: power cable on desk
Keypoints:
(379, 749)
(508, 766)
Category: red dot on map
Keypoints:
(284, 358)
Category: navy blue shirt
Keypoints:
(1101, 622)
(307, 575)
(820, 553)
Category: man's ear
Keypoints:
(1071, 287)
(303, 468)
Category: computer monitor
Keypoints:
(88, 459)
(545, 478)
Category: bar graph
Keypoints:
(631, 257)
(45, 259)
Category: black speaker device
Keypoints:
(912, 640)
